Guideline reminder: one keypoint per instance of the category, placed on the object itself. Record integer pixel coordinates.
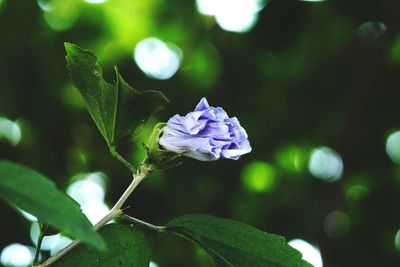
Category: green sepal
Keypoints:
(157, 157)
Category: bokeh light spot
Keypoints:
(62, 15)
(157, 59)
(371, 31)
(153, 264)
(397, 240)
(232, 15)
(61, 243)
(395, 50)
(27, 215)
(238, 18)
(59, 23)
(10, 131)
(207, 7)
(336, 224)
(48, 242)
(95, 1)
(45, 5)
(202, 257)
(71, 97)
(310, 253)
(393, 147)
(258, 176)
(356, 192)
(16, 255)
(203, 66)
(95, 211)
(325, 164)
(88, 189)
(292, 158)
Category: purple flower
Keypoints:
(205, 134)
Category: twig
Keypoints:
(114, 213)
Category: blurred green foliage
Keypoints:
(308, 74)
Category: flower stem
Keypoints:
(114, 213)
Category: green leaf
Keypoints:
(36, 194)
(127, 246)
(232, 243)
(117, 109)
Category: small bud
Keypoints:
(158, 158)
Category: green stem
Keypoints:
(118, 156)
(38, 246)
(150, 226)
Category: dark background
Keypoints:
(307, 75)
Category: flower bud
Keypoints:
(205, 134)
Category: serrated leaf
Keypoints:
(127, 246)
(117, 109)
(36, 194)
(232, 243)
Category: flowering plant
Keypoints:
(118, 110)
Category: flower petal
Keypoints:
(202, 105)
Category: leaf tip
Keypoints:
(74, 50)
(100, 244)
(69, 47)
